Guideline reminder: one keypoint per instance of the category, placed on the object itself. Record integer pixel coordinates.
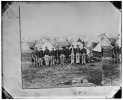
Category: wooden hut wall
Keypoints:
(97, 54)
(107, 51)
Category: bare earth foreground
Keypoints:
(52, 76)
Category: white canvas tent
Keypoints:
(105, 42)
(39, 45)
(48, 45)
(25, 46)
(88, 51)
(97, 48)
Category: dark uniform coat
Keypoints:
(74, 50)
(67, 53)
(41, 54)
(57, 54)
(34, 54)
(78, 50)
(84, 51)
(52, 53)
(62, 51)
(46, 52)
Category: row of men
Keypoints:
(55, 56)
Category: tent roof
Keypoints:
(25, 46)
(39, 45)
(75, 43)
(31, 44)
(104, 42)
(48, 45)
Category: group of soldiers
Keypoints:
(62, 56)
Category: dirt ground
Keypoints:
(53, 76)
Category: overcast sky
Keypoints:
(75, 18)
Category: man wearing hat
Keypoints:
(46, 56)
(77, 55)
(35, 56)
(83, 53)
(52, 54)
(41, 55)
(72, 52)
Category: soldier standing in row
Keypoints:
(57, 55)
(77, 55)
(35, 56)
(72, 51)
(62, 56)
(41, 55)
(52, 54)
(67, 54)
(46, 56)
(83, 52)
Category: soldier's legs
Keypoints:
(46, 63)
(79, 58)
(60, 59)
(48, 60)
(120, 58)
(117, 57)
(63, 59)
(56, 62)
(45, 59)
(39, 61)
(34, 62)
(53, 60)
(84, 59)
(67, 59)
(72, 58)
(76, 58)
